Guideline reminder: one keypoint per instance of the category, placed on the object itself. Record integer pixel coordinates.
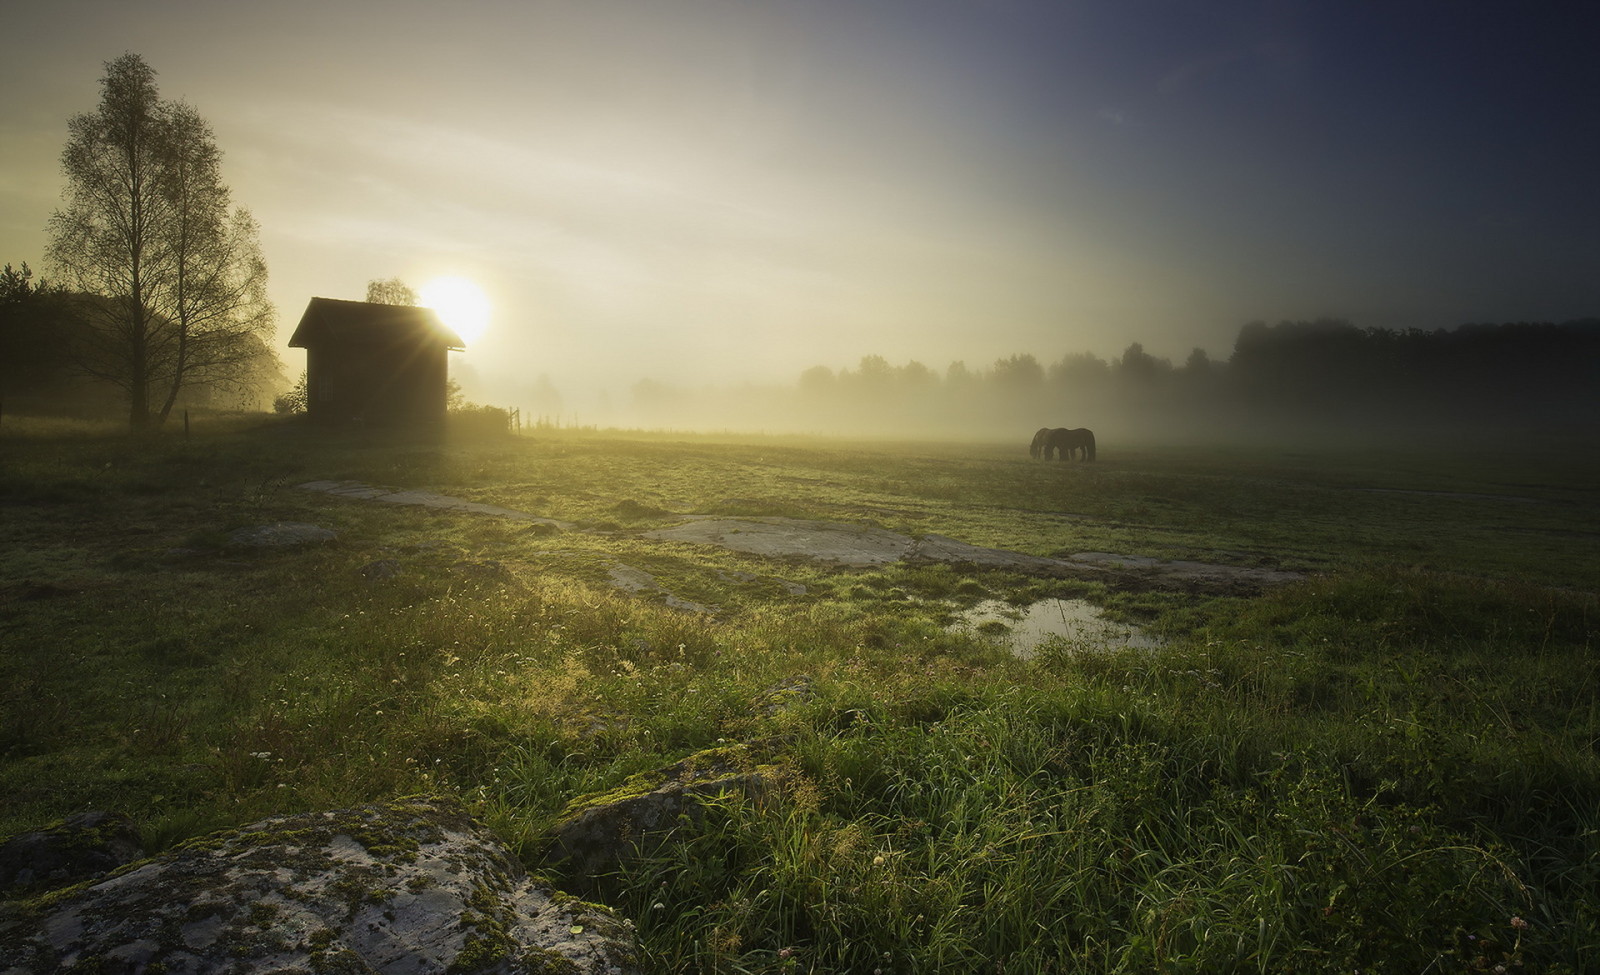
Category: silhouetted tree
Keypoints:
(217, 305)
(958, 377)
(32, 353)
(915, 375)
(148, 227)
(391, 291)
(1139, 366)
(818, 380)
(874, 370)
(1290, 379)
(873, 378)
(293, 401)
(1080, 370)
(1199, 364)
(18, 287)
(1020, 371)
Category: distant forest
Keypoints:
(54, 362)
(1283, 380)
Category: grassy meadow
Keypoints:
(1392, 765)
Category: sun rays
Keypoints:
(461, 304)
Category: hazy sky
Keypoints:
(719, 190)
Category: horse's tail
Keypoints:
(1035, 448)
(1088, 444)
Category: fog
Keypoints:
(701, 193)
(869, 218)
(1287, 382)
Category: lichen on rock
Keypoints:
(413, 887)
(599, 831)
(81, 847)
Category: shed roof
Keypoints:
(336, 320)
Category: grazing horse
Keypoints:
(1036, 449)
(1062, 442)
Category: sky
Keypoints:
(729, 191)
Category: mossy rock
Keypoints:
(597, 832)
(411, 886)
(82, 847)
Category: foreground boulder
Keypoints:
(84, 846)
(598, 833)
(411, 888)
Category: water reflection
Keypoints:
(1076, 623)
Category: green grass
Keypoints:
(1376, 768)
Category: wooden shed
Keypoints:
(374, 364)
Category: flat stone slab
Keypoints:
(633, 580)
(862, 546)
(822, 541)
(426, 499)
(414, 887)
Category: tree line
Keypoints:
(159, 289)
(1287, 379)
(158, 297)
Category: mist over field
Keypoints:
(1285, 382)
(1363, 739)
(705, 200)
(545, 406)
(1289, 383)
(947, 219)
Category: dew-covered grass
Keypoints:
(1389, 765)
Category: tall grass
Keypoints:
(1389, 766)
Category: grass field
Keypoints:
(1390, 765)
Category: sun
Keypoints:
(461, 305)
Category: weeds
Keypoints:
(1389, 766)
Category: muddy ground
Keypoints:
(851, 545)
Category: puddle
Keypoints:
(1074, 622)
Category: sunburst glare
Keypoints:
(461, 304)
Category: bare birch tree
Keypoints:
(147, 227)
(218, 296)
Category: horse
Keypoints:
(1063, 443)
(1036, 449)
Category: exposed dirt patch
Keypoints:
(863, 546)
(821, 541)
(634, 580)
(355, 489)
